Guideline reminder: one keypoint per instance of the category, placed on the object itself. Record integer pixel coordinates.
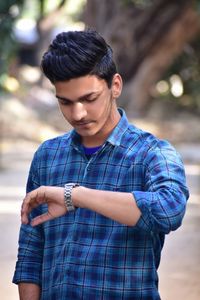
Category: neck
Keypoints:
(100, 137)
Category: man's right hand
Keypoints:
(50, 195)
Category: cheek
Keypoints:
(104, 108)
(99, 113)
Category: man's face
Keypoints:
(89, 106)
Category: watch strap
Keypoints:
(68, 196)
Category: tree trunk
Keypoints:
(145, 41)
(45, 24)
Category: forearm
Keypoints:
(29, 291)
(118, 206)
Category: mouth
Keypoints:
(82, 123)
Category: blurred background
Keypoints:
(157, 50)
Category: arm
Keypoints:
(162, 202)
(118, 206)
(158, 207)
(31, 243)
(29, 291)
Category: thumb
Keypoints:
(41, 219)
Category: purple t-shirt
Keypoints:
(91, 150)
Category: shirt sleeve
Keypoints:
(163, 200)
(31, 242)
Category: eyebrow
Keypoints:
(79, 99)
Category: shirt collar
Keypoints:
(117, 133)
(115, 136)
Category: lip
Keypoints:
(82, 124)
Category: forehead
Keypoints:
(80, 86)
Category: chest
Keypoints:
(109, 169)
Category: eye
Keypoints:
(64, 102)
(90, 100)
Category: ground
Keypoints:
(23, 128)
(179, 270)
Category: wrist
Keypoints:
(68, 196)
(78, 196)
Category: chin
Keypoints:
(86, 133)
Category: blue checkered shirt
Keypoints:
(84, 255)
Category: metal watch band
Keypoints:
(68, 196)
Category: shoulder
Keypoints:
(55, 143)
(49, 147)
(148, 144)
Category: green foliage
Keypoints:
(37, 9)
(9, 12)
(187, 67)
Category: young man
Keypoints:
(100, 198)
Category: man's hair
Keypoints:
(74, 54)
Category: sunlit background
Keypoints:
(157, 49)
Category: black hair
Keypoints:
(74, 54)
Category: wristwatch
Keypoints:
(68, 196)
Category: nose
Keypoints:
(78, 111)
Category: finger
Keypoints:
(29, 200)
(32, 200)
(24, 218)
(41, 219)
(25, 209)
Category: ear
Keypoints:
(116, 86)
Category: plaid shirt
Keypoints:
(84, 255)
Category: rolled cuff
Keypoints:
(161, 212)
(27, 272)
